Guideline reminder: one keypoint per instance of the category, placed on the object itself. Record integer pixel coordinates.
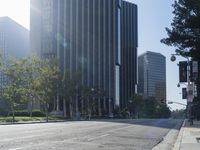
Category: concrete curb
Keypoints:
(167, 142)
(177, 144)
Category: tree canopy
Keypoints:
(185, 31)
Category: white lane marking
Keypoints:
(98, 137)
(120, 128)
(19, 148)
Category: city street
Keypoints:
(141, 134)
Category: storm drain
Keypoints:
(198, 139)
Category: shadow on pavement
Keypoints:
(196, 124)
(161, 123)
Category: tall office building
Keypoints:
(152, 75)
(14, 38)
(95, 37)
(14, 42)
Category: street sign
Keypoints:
(183, 71)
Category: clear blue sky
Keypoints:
(153, 17)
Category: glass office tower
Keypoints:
(152, 75)
(97, 38)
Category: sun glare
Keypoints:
(18, 10)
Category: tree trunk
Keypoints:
(64, 108)
(54, 104)
(31, 113)
(47, 115)
(89, 109)
(13, 113)
(57, 103)
(89, 114)
(77, 109)
(13, 116)
(99, 107)
(71, 108)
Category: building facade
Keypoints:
(97, 38)
(14, 42)
(152, 75)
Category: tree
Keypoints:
(46, 83)
(70, 86)
(90, 96)
(185, 33)
(162, 111)
(179, 114)
(14, 89)
(148, 107)
(31, 69)
(137, 104)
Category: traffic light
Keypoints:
(183, 71)
(184, 93)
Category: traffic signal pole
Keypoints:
(190, 87)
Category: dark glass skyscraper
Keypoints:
(95, 37)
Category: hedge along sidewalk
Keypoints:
(8, 120)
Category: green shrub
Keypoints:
(3, 112)
(23, 113)
(38, 113)
(26, 113)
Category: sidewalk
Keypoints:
(189, 137)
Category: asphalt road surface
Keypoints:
(86, 135)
